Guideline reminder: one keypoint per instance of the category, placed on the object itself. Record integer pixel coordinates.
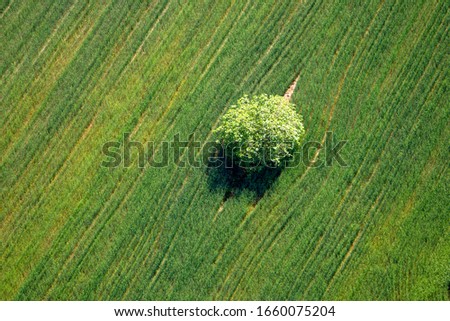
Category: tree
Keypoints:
(261, 131)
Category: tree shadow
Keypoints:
(225, 175)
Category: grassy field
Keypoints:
(76, 74)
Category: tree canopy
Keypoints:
(261, 131)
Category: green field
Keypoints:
(76, 74)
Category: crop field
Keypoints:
(76, 74)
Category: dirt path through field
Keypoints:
(290, 90)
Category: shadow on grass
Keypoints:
(448, 290)
(235, 179)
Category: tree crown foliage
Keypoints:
(261, 131)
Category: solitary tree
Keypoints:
(261, 131)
